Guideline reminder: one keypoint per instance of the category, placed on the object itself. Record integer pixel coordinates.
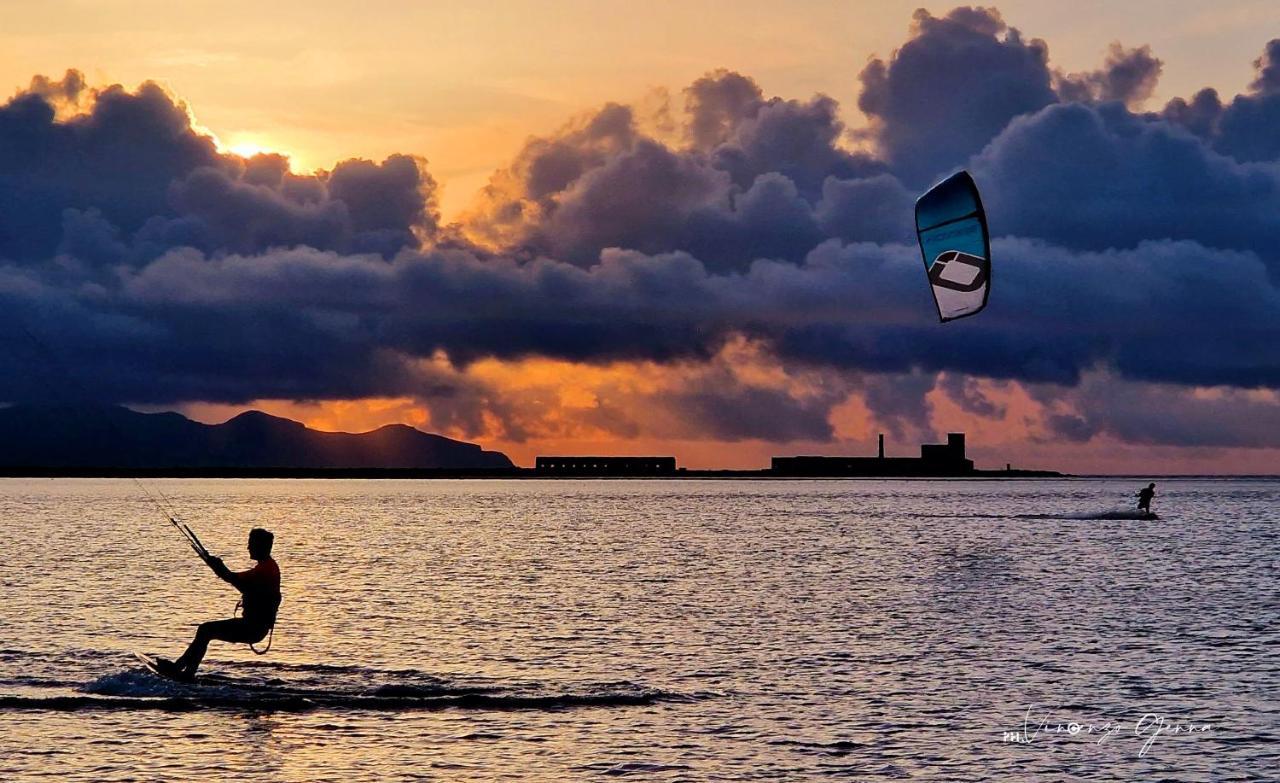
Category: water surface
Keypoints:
(680, 630)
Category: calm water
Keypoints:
(681, 630)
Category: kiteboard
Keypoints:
(1143, 515)
(163, 668)
(1120, 515)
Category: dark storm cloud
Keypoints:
(308, 323)
(1268, 68)
(1199, 114)
(1130, 245)
(520, 196)
(771, 219)
(1128, 76)
(1167, 416)
(723, 408)
(361, 207)
(386, 201)
(797, 139)
(1076, 429)
(127, 177)
(639, 200)
(716, 104)
(899, 401)
(1246, 127)
(1169, 312)
(872, 209)
(66, 91)
(965, 392)
(1100, 176)
(950, 89)
(753, 183)
(241, 216)
(120, 159)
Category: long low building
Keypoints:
(941, 459)
(606, 466)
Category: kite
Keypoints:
(955, 245)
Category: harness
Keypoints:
(271, 632)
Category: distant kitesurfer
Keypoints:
(260, 596)
(1144, 498)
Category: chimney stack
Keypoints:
(881, 454)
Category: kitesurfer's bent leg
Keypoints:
(236, 630)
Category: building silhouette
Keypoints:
(936, 459)
(605, 466)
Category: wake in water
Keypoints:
(302, 687)
(1118, 514)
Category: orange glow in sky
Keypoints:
(617, 409)
(465, 84)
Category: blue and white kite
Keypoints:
(955, 245)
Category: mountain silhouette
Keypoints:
(117, 437)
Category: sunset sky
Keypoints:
(675, 228)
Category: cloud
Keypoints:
(1163, 415)
(966, 392)
(518, 197)
(750, 183)
(638, 200)
(1267, 66)
(1137, 248)
(797, 139)
(66, 95)
(323, 324)
(870, 209)
(1245, 128)
(120, 176)
(1128, 76)
(119, 158)
(1100, 177)
(716, 104)
(391, 199)
(900, 402)
(950, 89)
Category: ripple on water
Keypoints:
(683, 630)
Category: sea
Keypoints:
(675, 630)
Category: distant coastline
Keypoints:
(493, 473)
(116, 442)
(113, 440)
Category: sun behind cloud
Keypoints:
(249, 145)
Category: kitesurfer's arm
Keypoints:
(224, 573)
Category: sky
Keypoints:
(683, 228)
(464, 84)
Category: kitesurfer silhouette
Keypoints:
(1144, 498)
(260, 596)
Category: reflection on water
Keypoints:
(470, 630)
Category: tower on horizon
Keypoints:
(936, 459)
